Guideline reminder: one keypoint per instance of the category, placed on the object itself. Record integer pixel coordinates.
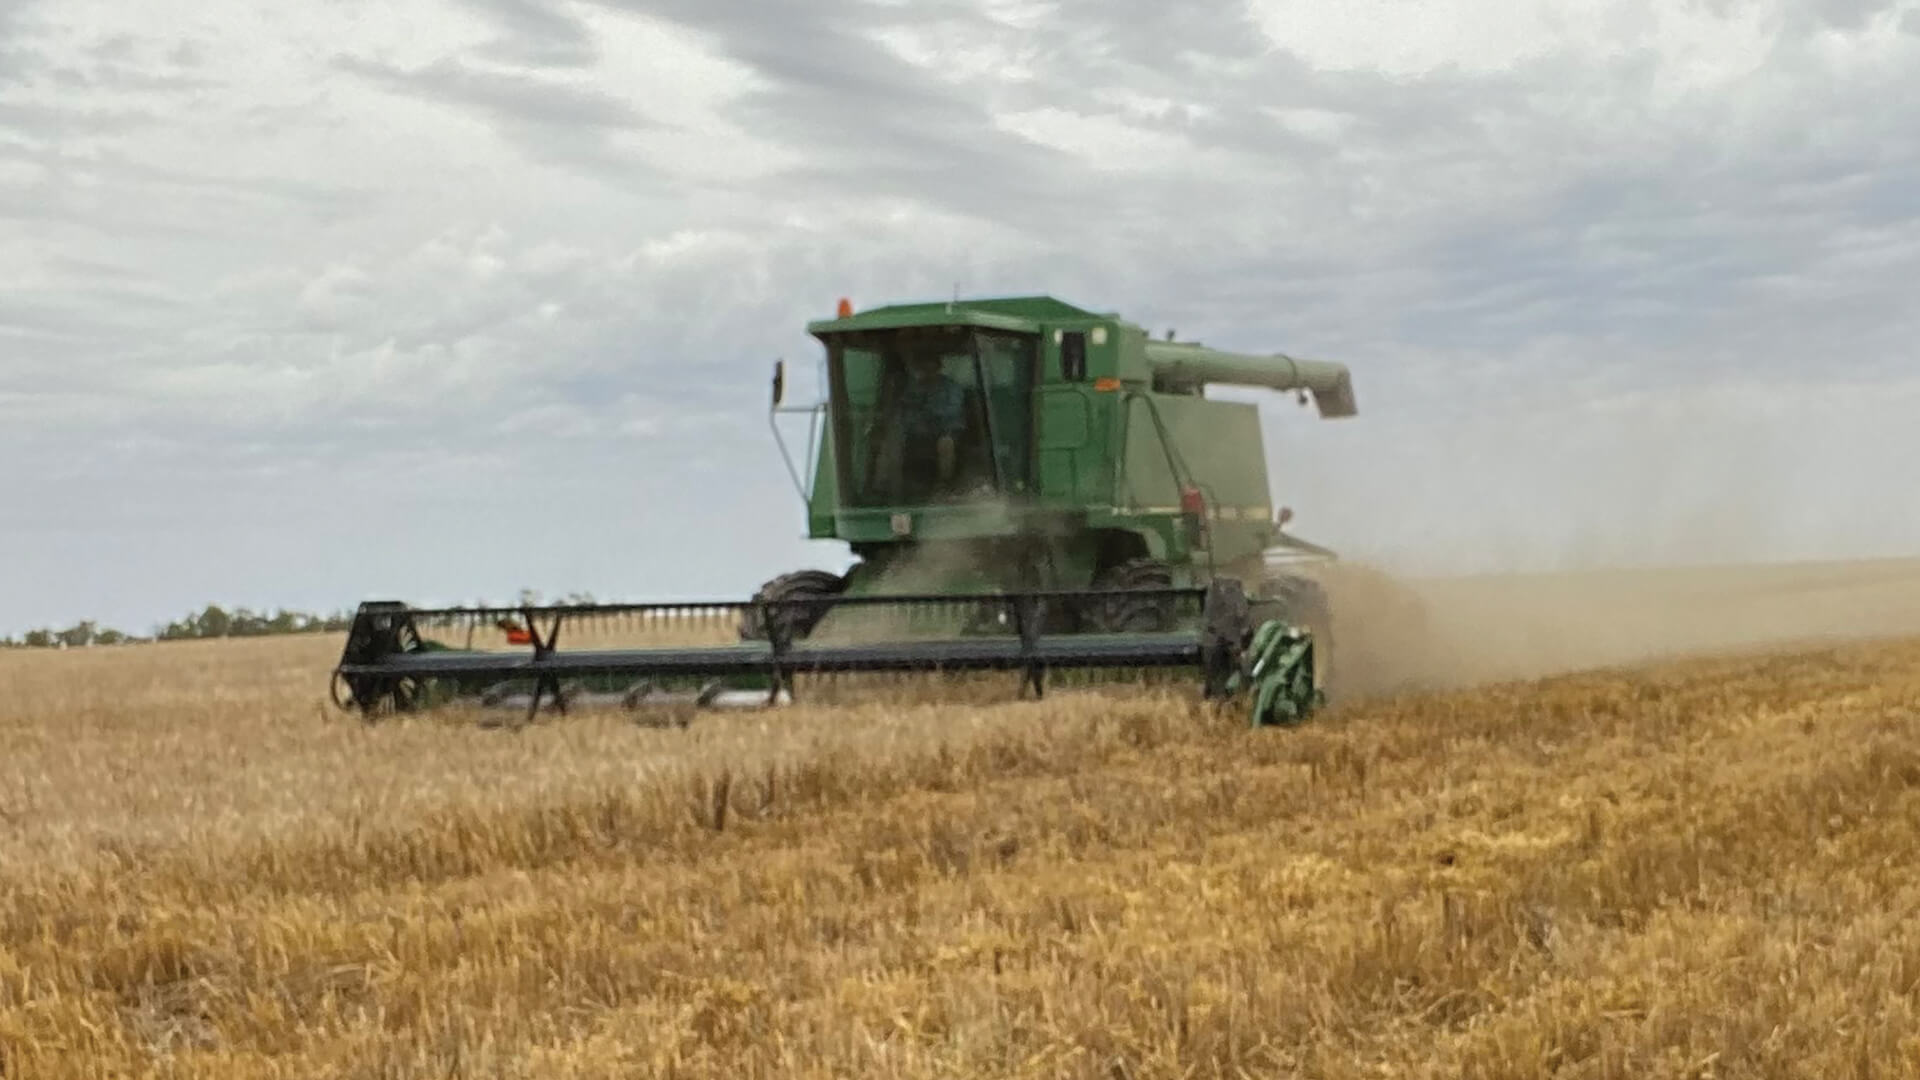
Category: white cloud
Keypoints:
(336, 294)
(962, 54)
(1320, 124)
(441, 263)
(1106, 143)
(1693, 46)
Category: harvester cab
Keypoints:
(1024, 485)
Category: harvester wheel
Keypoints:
(799, 585)
(1122, 615)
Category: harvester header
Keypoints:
(1053, 468)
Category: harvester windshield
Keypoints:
(932, 414)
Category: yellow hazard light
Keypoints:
(846, 307)
(1106, 384)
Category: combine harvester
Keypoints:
(1028, 488)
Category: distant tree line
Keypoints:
(213, 622)
(217, 622)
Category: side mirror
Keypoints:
(1286, 514)
(779, 382)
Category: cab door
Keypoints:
(1066, 415)
(1009, 363)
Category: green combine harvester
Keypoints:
(1025, 486)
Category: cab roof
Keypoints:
(1016, 313)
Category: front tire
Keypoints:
(1131, 615)
(801, 585)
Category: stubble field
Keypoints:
(1693, 866)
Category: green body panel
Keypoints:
(824, 494)
(1220, 447)
(1069, 466)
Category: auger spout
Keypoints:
(1177, 365)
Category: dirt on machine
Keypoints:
(1025, 487)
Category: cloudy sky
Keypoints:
(310, 303)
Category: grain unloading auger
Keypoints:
(1026, 487)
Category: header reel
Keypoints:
(637, 656)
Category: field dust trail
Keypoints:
(1441, 632)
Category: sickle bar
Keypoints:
(398, 658)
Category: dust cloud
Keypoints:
(1407, 633)
(1585, 527)
(926, 569)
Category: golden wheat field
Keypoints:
(1684, 868)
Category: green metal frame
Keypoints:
(1100, 482)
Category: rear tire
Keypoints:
(799, 585)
